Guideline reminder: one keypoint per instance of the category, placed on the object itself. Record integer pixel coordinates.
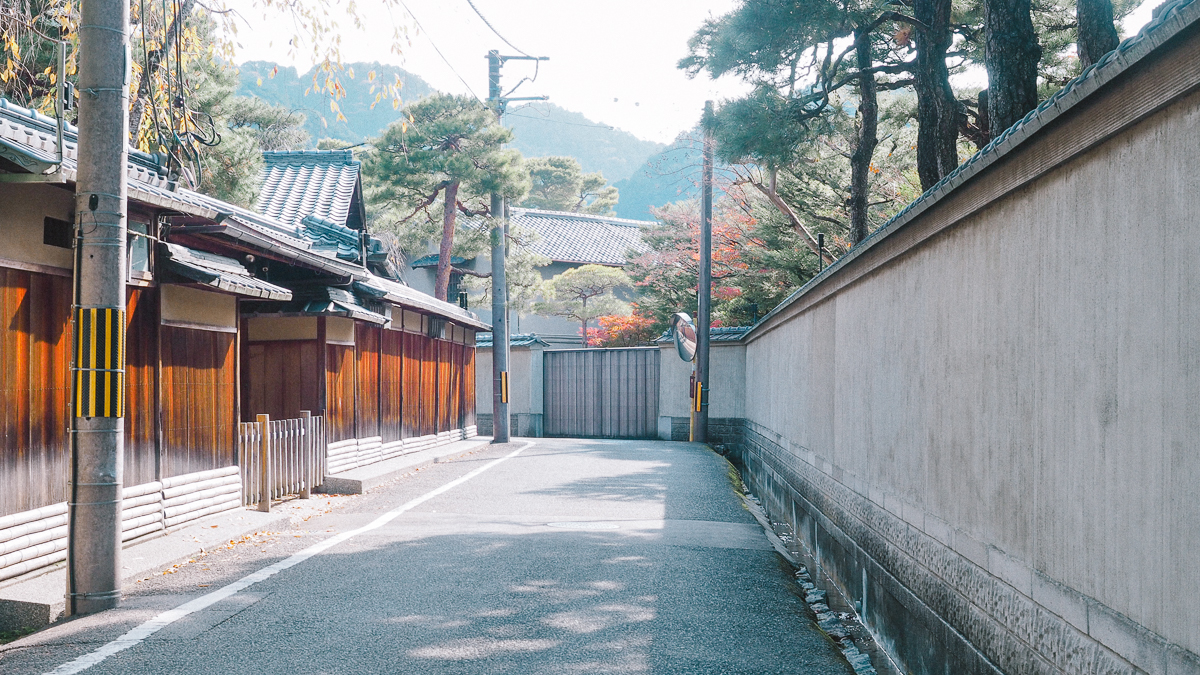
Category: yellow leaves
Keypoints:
(274, 72)
(371, 76)
(259, 82)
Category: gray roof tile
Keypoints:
(25, 133)
(515, 340)
(303, 183)
(581, 237)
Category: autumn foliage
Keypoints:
(622, 331)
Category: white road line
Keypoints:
(169, 617)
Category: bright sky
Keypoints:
(614, 61)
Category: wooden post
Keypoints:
(307, 446)
(264, 469)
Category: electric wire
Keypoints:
(542, 118)
(439, 52)
(493, 28)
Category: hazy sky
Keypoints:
(614, 61)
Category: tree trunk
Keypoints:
(809, 239)
(154, 58)
(868, 138)
(1097, 33)
(442, 286)
(585, 322)
(937, 110)
(1012, 54)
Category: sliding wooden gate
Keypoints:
(601, 393)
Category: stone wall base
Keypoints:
(933, 609)
(519, 424)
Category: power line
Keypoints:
(489, 25)
(439, 52)
(547, 119)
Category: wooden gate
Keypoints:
(601, 393)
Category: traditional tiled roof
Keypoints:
(301, 183)
(581, 237)
(715, 334)
(431, 260)
(220, 272)
(572, 237)
(518, 340)
(28, 141)
(332, 238)
(28, 145)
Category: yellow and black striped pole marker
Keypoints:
(504, 386)
(100, 362)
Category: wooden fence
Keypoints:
(295, 458)
(601, 393)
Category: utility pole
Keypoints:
(98, 383)
(499, 245)
(499, 283)
(705, 286)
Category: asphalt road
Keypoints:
(572, 556)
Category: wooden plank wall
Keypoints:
(391, 414)
(411, 388)
(428, 394)
(339, 392)
(280, 378)
(398, 385)
(141, 379)
(469, 418)
(454, 398)
(444, 371)
(199, 396)
(368, 340)
(35, 342)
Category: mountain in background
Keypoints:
(671, 175)
(646, 173)
(544, 129)
(287, 89)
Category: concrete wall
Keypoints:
(191, 306)
(23, 209)
(727, 367)
(987, 422)
(524, 390)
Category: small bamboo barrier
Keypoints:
(295, 458)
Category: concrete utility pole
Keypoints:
(499, 283)
(705, 289)
(499, 243)
(97, 430)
